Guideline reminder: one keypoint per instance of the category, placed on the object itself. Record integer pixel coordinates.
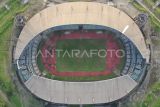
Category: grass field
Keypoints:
(78, 79)
(70, 46)
(82, 62)
(73, 64)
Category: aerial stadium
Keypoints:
(56, 77)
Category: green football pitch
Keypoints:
(79, 65)
(76, 55)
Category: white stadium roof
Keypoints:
(82, 13)
(81, 92)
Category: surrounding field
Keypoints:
(84, 61)
(152, 95)
(8, 94)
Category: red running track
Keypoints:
(111, 59)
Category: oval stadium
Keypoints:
(80, 53)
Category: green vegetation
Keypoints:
(6, 24)
(83, 61)
(154, 23)
(150, 4)
(152, 98)
(2, 102)
(138, 7)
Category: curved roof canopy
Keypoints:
(81, 13)
(81, 92)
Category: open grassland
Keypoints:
(6, 25)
